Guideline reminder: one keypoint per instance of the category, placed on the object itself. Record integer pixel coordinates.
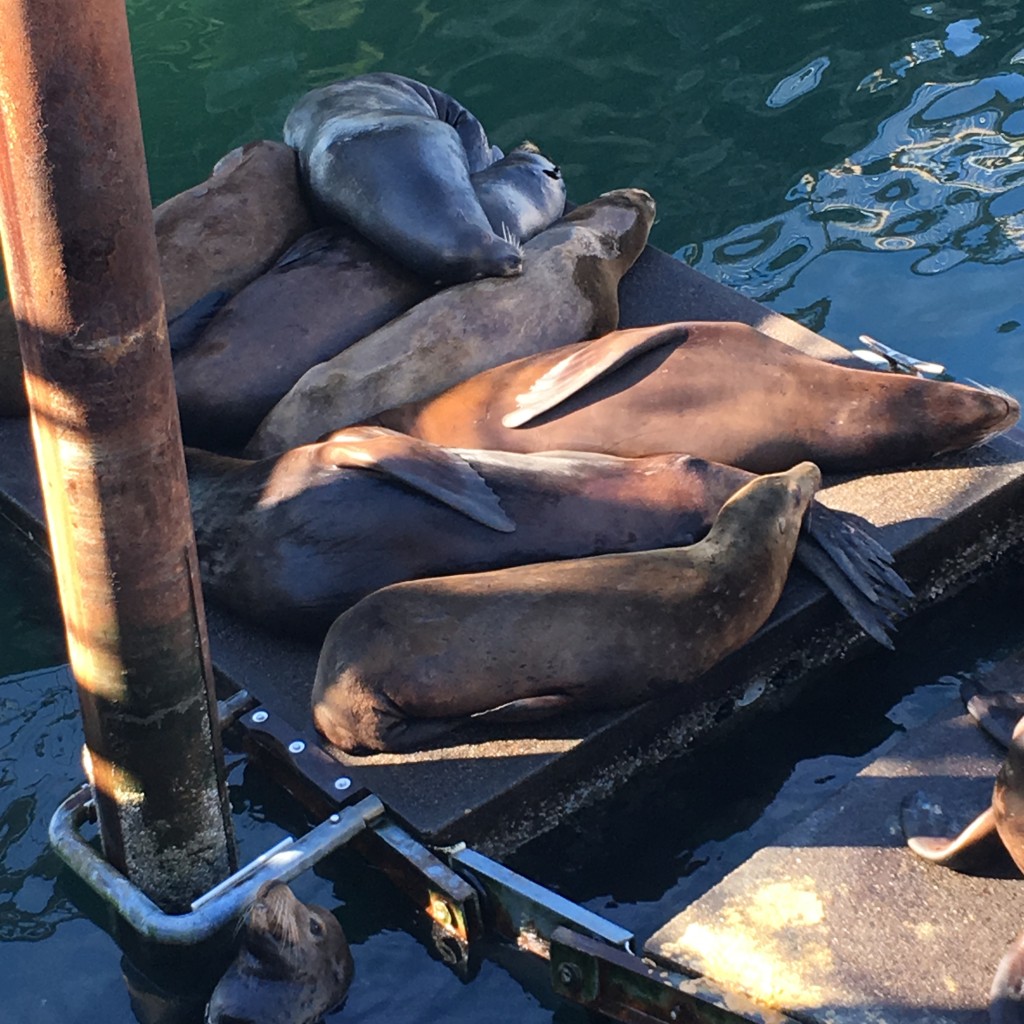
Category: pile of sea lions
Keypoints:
(397, 359)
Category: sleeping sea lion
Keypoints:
(294, 540)
(328, 290)
(293, 964)
(722, 391)
(224, 232)
(521, 194)
(568, 290)
(411, 661)
(394, 158)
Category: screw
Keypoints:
(569, 975)
(260, 716)
(296, 747)
(673, 1014)
(343, 782)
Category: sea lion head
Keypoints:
(778, 500)
(521, 194)
(293, 964)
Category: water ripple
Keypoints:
(943, 176)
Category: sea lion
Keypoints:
(294, 540)
(521, 194)
(327, 291)
(393, 157)
(722, 391)
(568, 290)
(224, 232)
(410, 661)
(13, 400)
(997, 833)
(293, 964)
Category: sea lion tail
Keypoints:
(855, 568)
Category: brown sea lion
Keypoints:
(293, 964)
(410, 661)
(221, 234)
(982, 847)
(722, 391)
(568, 290)
(327, 291)
(292, 541)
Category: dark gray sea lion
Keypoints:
(292, 541)
(521, 194)
(393, 158)
(722, 391)
(568, 290)
(413, 660)
(224, 232)
(327, 291)
(293, 964)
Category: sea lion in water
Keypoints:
(410, 661)
(394, 158)
(722, 391)
(327, 291)
(568, 290)
(292, 541)
(293, 965)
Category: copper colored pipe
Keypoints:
(81, 258)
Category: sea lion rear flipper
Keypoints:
(527, 709)
(586, 365)
(855, 567)
(423, 466)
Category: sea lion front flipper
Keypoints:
(976, 850)
(586, 365)
(184, 330)
(1006, 996)
(423, 466)
(308, 245)
(996, 712)
(527, 709)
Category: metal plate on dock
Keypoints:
(947, 524)
(838, 922)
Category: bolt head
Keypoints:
(569, 975)
(342, 783)
(296, 747)
(260, 716)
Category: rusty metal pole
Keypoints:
(82, 266)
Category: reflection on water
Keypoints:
(943, 177)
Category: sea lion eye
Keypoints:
(555, 172)
(315, 927)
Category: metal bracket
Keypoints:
(222, 904)
(526, 913)
(626, 988)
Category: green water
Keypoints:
(856, 164)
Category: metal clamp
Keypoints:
(222, 904)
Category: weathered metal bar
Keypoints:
(81, 259)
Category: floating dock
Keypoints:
(836, 922)
(947, 524)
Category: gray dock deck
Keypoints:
(947, 524)
(836, 921)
